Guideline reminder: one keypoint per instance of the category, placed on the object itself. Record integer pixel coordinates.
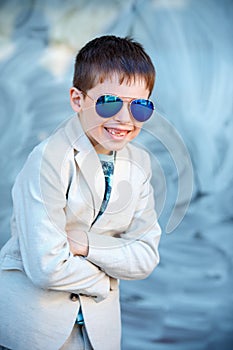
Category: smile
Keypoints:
(117, 132)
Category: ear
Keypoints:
(76, 98)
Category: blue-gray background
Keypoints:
(187, 303)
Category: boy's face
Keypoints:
(109, 134)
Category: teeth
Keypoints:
(116, 132)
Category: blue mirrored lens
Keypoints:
(141, 109)
(108, 105)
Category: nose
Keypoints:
(124, 115)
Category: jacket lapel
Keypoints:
(88, 163)
(91, 169)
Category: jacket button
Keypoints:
(73, 297)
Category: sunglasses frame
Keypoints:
(123, 99)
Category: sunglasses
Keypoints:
(108, 105)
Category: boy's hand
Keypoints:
(78, 242)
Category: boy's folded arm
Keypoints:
(44, 247)
(125, 259)
(134, 254)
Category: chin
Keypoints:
(117, 147)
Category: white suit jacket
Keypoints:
(61, 188)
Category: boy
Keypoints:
(83, 210)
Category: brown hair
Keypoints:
(108, 54)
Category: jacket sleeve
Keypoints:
(134, 253)
(39, 200)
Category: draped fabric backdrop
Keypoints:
(187, 302)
